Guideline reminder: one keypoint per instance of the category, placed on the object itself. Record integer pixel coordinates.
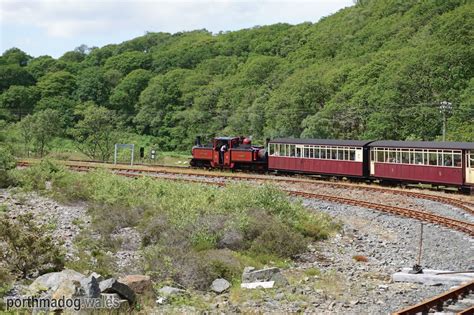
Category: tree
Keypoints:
(25, 131)
(40, 128)
(95, 133)
(126, 93)
(19, 100)
(14, 75)
(92, 86)
(38, 67)
(16, 56)
(128, 61)
(60, 83)
(63, 105)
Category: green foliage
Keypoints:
(27, 247)
(19, 100)
(40, 128)
(194, 233)
(376, 70)
(7, 162)
(94, 133)
(60, 83)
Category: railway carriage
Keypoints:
(319, 156)
(439, 163)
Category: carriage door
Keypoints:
(470, 167)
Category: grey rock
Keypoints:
(220, 285)
(113, 286)
(51, 281)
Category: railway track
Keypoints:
(465, 227)
(177, 170)
(459, 300)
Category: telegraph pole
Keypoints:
(445, 108)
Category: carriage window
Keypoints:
(340, 153)
(441, 159)
(323, 153)
(391, 156)
(448, 159)
(306, 152)
(405, 157)
(457, 159)
(379, 155)
(271, 149)
(418, 157)
(333, 153)
(352, 154)
(471, 160)
(292, 150)
(433, 158)
(317, 151)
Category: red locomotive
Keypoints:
(436, 163)
(229, 152)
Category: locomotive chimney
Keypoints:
(198, 141)
(267, 140)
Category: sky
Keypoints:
(53, 27)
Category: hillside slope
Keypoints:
(377, 70)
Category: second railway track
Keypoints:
(462, 226)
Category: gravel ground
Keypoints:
(390, 243)
(63, 220)
(326, 279)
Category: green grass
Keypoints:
(190, 233)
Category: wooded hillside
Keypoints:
(377, 70)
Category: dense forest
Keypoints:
(376, 70)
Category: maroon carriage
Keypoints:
(440, 163)
(319, 156)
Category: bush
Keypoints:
(185, 227)
(27, 247)
(7, 162)
(6, 280)
(279, 240)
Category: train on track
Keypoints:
(447, 164)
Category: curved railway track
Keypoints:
(438, 303)
(465, 227)
(467, 206)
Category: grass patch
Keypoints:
(191, 233)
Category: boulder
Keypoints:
(51, 281)
(113, 286)
(264, 275)
(220, 285)
(140, 284)
(67, 289)
(169, 291)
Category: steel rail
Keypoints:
(438, 301)
(465, 227)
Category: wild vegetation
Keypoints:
(190, 234)
(377, 70)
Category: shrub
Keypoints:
(278, 239)
(6, 280)
(27, 247)
(36, 176)
(7, 162)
